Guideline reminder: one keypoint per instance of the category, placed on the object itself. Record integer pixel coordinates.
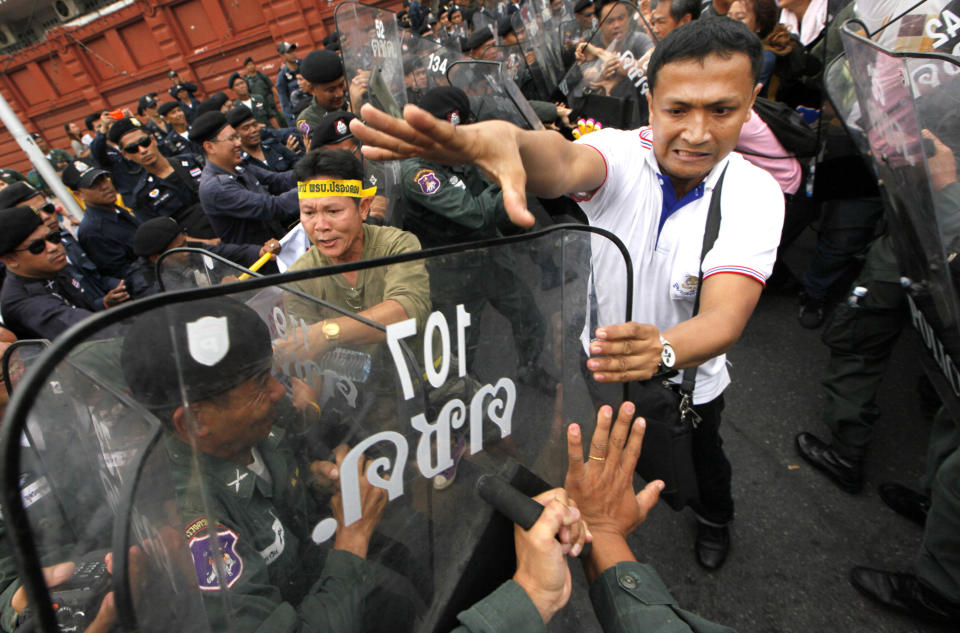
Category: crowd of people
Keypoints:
(691, 166)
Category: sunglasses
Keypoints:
(133, 148)
(39, 245)
(48, 207)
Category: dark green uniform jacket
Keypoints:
(628, 598)
(276, 577)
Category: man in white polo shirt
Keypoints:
(652, 188)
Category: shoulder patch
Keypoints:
(203, 555)
(428, 181)
(304, 127)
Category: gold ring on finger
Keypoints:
(599, 459)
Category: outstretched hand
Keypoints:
(491, 145)
(602, 485)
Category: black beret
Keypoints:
(16, 225)
(213, 103)
(232, 79)
(320, 67)
(545, 111)
(166, 106)
(581, 5)
(154, 235)
(146, 101)
(332, 128)
(207, 125)
(444, 102)
(504, 27)
(12, 195)
(80, 175)
(204, 347)
(247, 61)
(239, 115)
(331, 39)
(477, 39)
(121, 127)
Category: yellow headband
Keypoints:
(324, 188)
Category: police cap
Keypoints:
(204, 348)
(545, 111)
(448, 103)
(477, 39)
(154, 235)
(121, 127)
(16, 225)
(146, 101)
(320, 67)
(582, 5)
(80, 175)
(239, 115)
(332, 128)
(12, 195)
(212, 103)
(166, 106)
(207, 126)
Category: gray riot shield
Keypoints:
(370, 45)
(241, 397)
(608, 82)
(899, 96)
(493, 94)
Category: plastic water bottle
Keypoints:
(349, 363)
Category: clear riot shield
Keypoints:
(608, 82)
(370, 46)
(899, 95)
(516, 67)
(18, 358)
(426, 63)
(249, 392)
(533, 41)
(493, 95)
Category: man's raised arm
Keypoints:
(540, 162)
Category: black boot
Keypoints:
(846, 473)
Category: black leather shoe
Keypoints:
(906, 502)
(713, 544)
(847, 474)
(904, 593)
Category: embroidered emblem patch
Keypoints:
(195, 172)
(208, 340)
(428, 181)
(341, 127)
(454, 117)
(304, 127)
(203, 554)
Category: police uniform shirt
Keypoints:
(279, 157)
(175, 196)
(264, 532)
(248, 205)
(45, 308)
(286, 82)
(106, 235)
(258, 107)
(664, 236)
(310, 118)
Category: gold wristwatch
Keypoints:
(331, 331)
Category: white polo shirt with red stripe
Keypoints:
(664, 237)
